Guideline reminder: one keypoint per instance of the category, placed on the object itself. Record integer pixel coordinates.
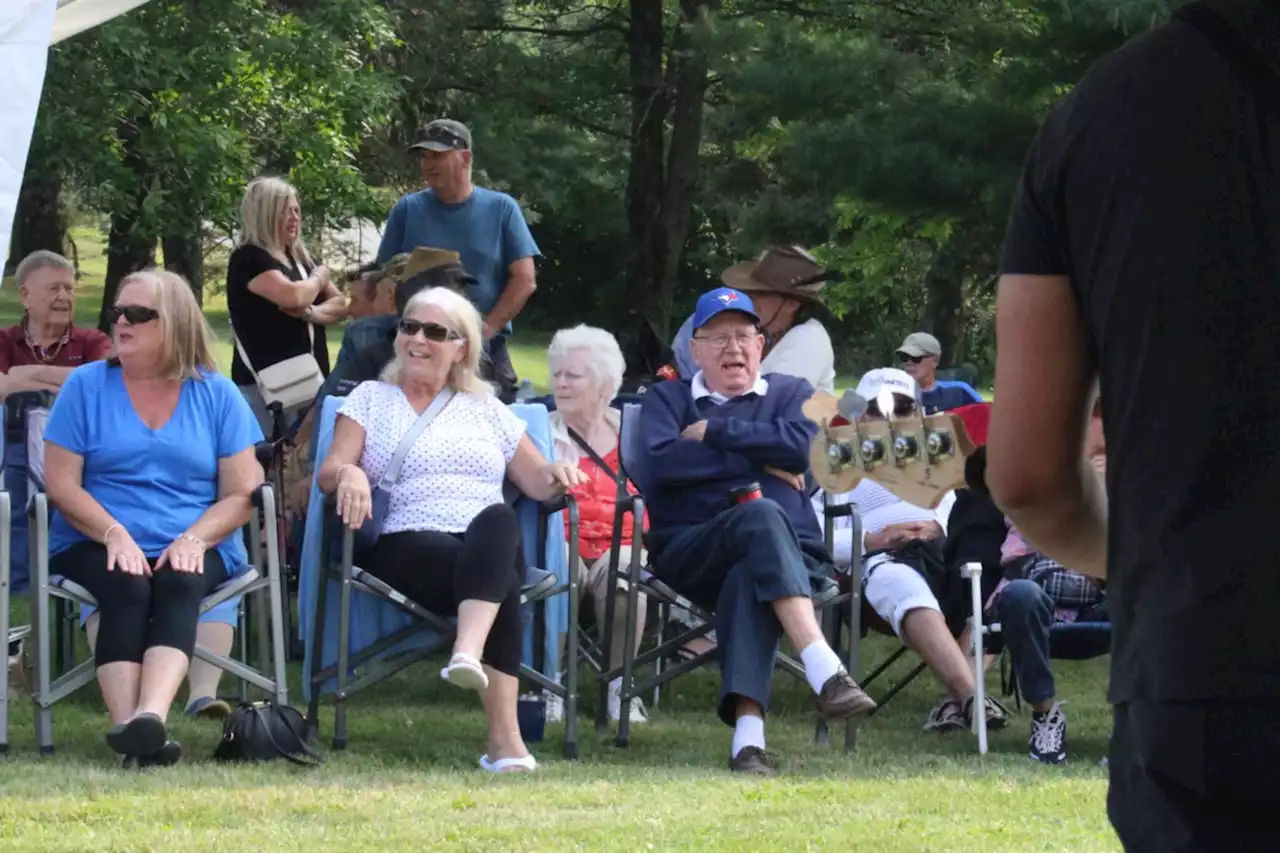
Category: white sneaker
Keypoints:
(638, 714)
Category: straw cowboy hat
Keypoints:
(785, 270)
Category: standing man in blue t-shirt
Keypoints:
(484, 226)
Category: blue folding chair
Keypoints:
(641, 579)
(383, 632)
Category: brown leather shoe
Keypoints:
(752, 760)
(842, 697)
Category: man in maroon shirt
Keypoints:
(39, 352)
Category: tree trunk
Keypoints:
(41, 222)
(128, 251)
(687, 83)
(944, 301)
(645, 176)
(184, 255)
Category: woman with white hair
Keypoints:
(279, 302)
(586, 367)
(448, 540)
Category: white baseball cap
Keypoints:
(886, 379)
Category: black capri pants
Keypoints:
(439, 570)
(139, 612)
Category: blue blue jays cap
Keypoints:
(722, 299)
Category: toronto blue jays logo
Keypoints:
(728, 296)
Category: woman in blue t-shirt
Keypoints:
(149, 462)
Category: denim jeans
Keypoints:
(1025, 612)
(736, 565)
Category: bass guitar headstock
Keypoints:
(918, 457)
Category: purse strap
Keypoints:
(244, 356)
(315, 759)
(392, 474)
(595, 457)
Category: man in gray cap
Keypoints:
(485, 227)
(919, 356)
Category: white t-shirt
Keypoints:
(877, 509)
(455, 468)
(804, 351)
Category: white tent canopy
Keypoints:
(27, 28)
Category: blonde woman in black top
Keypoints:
(279, 299)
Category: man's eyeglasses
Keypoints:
(903, 358)
(135, 314)
(742, 339)
(431, 331)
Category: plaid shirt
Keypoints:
(1071, 592)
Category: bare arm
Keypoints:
(63, 482)
(44, 374)
(527, 469)
(1037, 470)
(520, 286)
(238, 476)
(345, 449)
(332, 310)
(276, 287)
(15, 384)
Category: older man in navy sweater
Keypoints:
(753, 563)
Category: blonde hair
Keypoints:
(264, 204)
(464, 376)
(186, 338)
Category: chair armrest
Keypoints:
(839, 510)
(258, 496)
(265, 453)
(556, 504)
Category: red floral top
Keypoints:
(597, 498)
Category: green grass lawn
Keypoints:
(407, 780)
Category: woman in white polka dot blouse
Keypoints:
(449, 541)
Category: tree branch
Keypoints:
(551, 32)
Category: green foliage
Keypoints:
(168, 111)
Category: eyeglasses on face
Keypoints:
(722, 341)
(903, 358)
(135, 314)
(431, 331)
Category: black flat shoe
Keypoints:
(145, 734)
(167, 756)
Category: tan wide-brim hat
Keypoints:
(785, 270)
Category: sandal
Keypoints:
(142, 735)
(464, 671)
(528, 764)
(209, 708)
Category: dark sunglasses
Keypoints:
(430, 331)
(135, 314)
(903, 358)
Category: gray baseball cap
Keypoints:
(443, 134)
(920, 344)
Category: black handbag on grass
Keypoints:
(265, 731)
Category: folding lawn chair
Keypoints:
(641, 579)
(262, 575)
(354, 641)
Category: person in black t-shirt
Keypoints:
(278, 299)
(1144, 248)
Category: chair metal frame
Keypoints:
(640, 578)
(262, 576)
(352, 579)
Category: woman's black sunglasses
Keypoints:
(431, 331)
(135, 314)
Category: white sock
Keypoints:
(749, 731)
(820, 663)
